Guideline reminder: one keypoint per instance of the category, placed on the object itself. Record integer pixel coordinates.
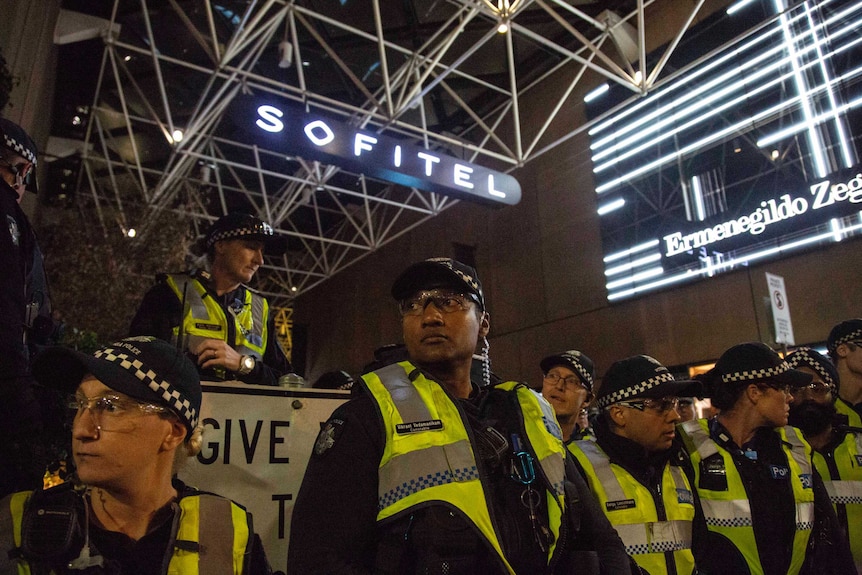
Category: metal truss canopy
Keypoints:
(437, 73)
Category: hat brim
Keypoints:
(63, 369)
(424, 275)
(792, 377)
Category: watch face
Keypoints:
(248, 362)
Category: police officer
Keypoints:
(567, 384)
(224, 324)
(837, 445)
(844, 346)
(426, 472)
(136, 405)
(764, 507)
(25, 317)
(635, 469)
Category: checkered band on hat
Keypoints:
(468, 279)
(635, 390)
(259, 229)
(582, 371)
(20, 148)
(803, 358)
(855, 335)
(756, 374)
(172, 396)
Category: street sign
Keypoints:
(780, 309)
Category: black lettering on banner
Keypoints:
(282, 519)
(273, 440)
(227, 426)
(250, 448)
(208, 460)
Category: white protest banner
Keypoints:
(257, 441)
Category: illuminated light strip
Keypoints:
(673, 156)
(595, 93)
(698, 198)
(738, 6)
(835, 223)
(663, 112)
(690, 274)
(704, 103)
(632, 250)
(631, 265)
(651, 273)
(702, 70)
(801, 126)
(610, 207)
(833, 104)
(814, 140)
(683, 81)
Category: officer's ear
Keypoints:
(176, 434)
(617, 415)
(484, 324)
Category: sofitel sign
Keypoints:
(822, 195)
(289, 130)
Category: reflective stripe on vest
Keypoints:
(845, 488)
(729, 512)
(11, 533)
(428, 455)
(204, 318)
(220, 528)
(631, 509)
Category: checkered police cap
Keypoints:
(641, 376)
(574, 360)
(846, 331)
(438, 272)
(807, 357)
(245, 226)
(16, 140)
(145, 368)
(755, 361)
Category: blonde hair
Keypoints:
(189, 448)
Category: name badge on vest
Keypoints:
(620, 505)
(684, 496)
(208, 326)
(858, 460)
(778, 472)
(417, 426)
(807, 480)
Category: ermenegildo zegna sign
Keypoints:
(287, 128)
(836, 196)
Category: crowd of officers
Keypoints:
(435, 466)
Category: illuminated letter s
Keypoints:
(269, 119)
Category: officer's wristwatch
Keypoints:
(246, 364)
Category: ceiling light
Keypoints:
(610, 207)
(595, 93)
(177, 135)
(503, 27)
(132, 232)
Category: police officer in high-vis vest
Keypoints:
(844, 346)
(227, 327)
(426, 471)
(135, 406)
(636, 470)
(764, 507)
(836, 443)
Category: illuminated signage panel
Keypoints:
(752, 154)
(286, 128)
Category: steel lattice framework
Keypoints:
(438, 73)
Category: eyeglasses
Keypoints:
(818, 388)
(21, 169)
(572, 380)
(111, 412)
(660, 406)
(445, 301)
(783, 387)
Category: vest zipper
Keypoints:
(661, 514)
